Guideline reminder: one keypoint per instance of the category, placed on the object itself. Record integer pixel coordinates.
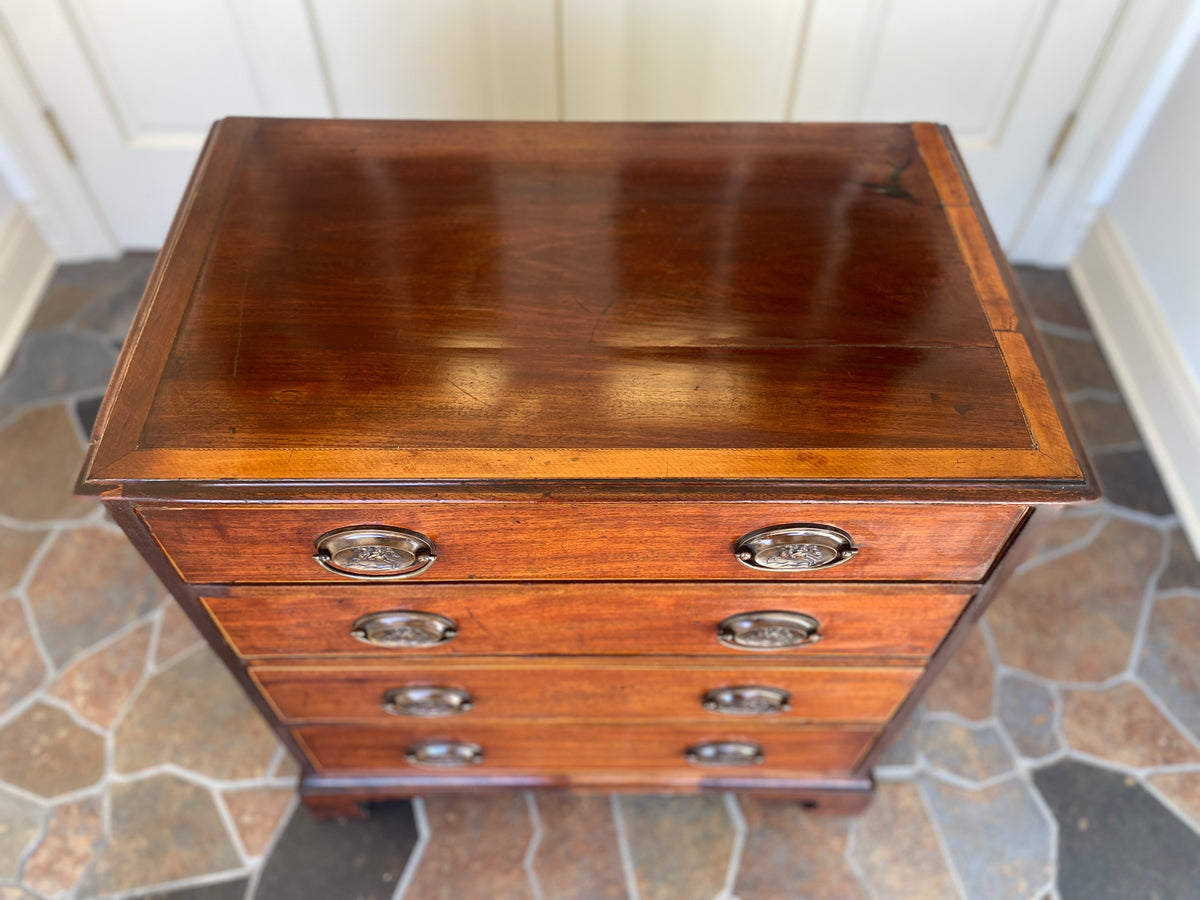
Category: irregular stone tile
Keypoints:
(998, 839)
(1115, 840)
(578, 857)
(73, 835)
(964, 686)
(1170, 658)
(1183, 570)
(1104, 423)
(43, 491)
(44, 752)
(680, 845)
(55, 363)
(902, 749)
(1129, 478)
(788, 853)
(20, 821)
(176, 634)
(1123, 725)
(896, 849)
(195, 715)
(1071, 525)
(1183, 790)
(1051, 296)
(287, 767)
(1079, 364)
(15, 893)
(111, 315)
(256, 813)
(16, 548)
(1074, 618)
(224, 890)
(22, 669)
(1026, 710)
(90, 583)
(975, 754)
(98, 685)
(86, 411)
(162, 829)
(61, 301)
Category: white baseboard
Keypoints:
(26, 264)
(1146, 360)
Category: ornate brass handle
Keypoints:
(426, 702)
(404, 628)
(784, 548)
(725, 753)
(374, 552)
(444, 754)
(768, 629)
(748, 700)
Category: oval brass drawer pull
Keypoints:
(374, 552)
(426, 702)
(748, 700)
(404, 628)
(768, 629)
(801, 547)
(725, 753)
(444, 754)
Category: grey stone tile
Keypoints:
(1104, 423)
(111, 314)
(1051, 296)
(1026, 711)
(998, 839)
(225, 890)
(85, 412)
(896, 849)
(680, 845)
(20, 821)
(56, 363)
(902, 748)
(1170, 659)
(352, 858)
(1183, 570)
(1129, 478)
(1079, 364)
(1115, 840)
(578, 857)
(976, 754)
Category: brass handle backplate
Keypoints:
(404, 628)
(791, 548)
(747, 700)
(426, 702)
(768, 629)
(725, 753)
(444, 754)
(374, 552)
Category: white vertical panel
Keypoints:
(840, 40)
(679, 59)
(448, 59)
(282, 53)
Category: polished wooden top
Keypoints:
(386, 301)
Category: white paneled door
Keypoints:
(135, 84)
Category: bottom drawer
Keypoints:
(427, 748)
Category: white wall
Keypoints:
(8, 200)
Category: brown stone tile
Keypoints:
(1183, 571)
(1104, 423)
(896, 849)
(1123, 725)
(91, 583)
(1079, 364)
(1072, 525)
(1074, 618)
(98, 685)
(680, 845)
(477, 848)
(176, 634)
(16, 548)
(257, 813)
(195, 715)
(43, 447)
(1182, 789)
(1051, 296)
(61, 301)
(578, 857)
(976, 754)
(15, 893)
(965, 685)
(20, 821)
(1170, 660)
(163, 829)
(73, 836)
(44, 752)
(788, 853)
(22, 669)
(287, 767)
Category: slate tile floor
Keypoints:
(1057, 757)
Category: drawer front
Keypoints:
(554, 541)
(502, 690)
(906, 621)
(566, 748)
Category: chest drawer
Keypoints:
(548, 541)
(601, 618)
(502, 690)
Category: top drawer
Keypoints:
(668, 540)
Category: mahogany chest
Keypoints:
(629, 457)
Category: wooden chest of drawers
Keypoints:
(592, 456)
